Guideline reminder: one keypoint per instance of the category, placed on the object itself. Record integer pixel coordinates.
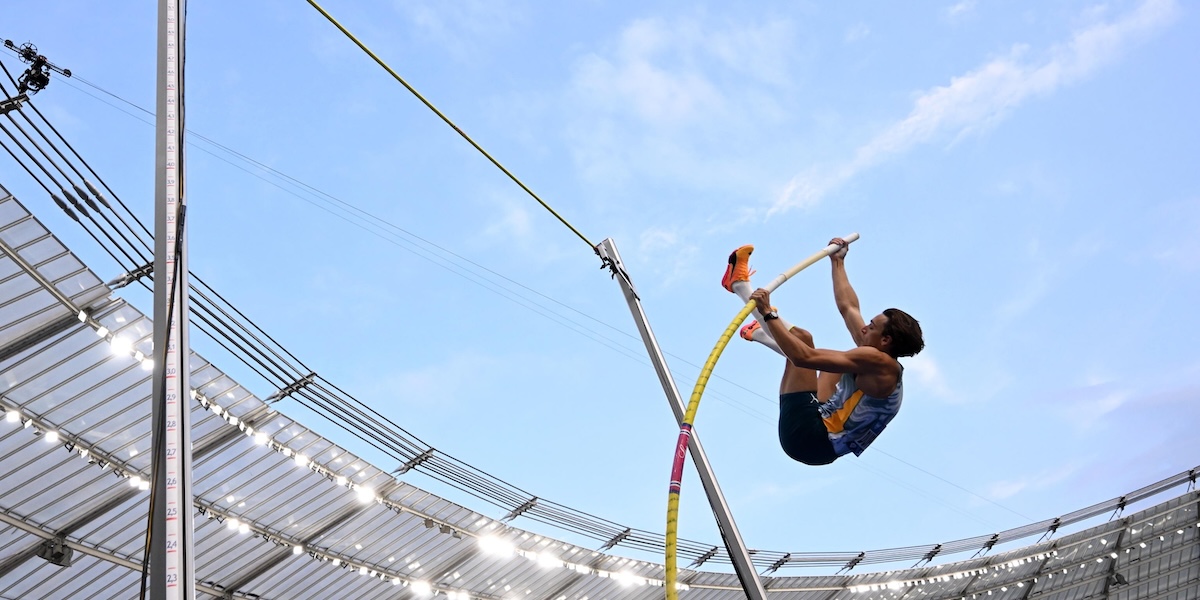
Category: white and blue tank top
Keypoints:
(855, 419)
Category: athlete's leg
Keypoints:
(827, 385)
(798, 379)
(802, 433)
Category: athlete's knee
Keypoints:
(802, 335)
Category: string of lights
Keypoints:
(495, 539)
(492, 537)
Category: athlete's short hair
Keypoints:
(905, 332)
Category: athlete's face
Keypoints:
(873, 331)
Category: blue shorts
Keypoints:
(802, 432)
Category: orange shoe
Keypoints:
(748, 331)
(739, 267)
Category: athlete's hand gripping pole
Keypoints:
(685, 430)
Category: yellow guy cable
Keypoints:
(685, 430)
(464, 135)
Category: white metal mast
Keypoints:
(172, 572)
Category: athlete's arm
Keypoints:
(862, 360)
(844, 295)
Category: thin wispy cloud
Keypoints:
(981, 98)
(461, 27)
(960, 9)
(858, 32)
(679, 99)
(925, 368)
(1046, 478)
(667, 253)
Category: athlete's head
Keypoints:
(904, 333)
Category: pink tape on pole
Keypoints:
(681, 448)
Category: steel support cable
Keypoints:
(203, 313)
(350, 207)
(447, 120)
(286, 372)
(61, 204)
(405, 444)
(67, 161)
(601, 526)
(25, 166)
(320, 407)
(510, 497)
(79, 208)
(407, 447)
(104, 184)
(220, 342)
(88, 184)
(484, 488)
(217, 325)
(247, 322)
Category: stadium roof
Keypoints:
(283, 512)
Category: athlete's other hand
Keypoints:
(761, 298)
(840, 253)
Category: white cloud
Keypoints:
(1174, 225)
(1084, 408)
(666, 254)
(1033, 285)
(1046, 478)
(928, 374)
(857, 32)
(983, 97)
(460, 26)
(680, 101)
(960, 9)
(513, 222)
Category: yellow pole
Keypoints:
(685, 432)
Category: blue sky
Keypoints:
(1023, 176)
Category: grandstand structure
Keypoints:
(282, 511)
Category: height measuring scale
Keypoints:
(172, 573)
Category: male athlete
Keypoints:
(824, 417)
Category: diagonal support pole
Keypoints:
(738, 553)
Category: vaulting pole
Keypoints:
(172, 571)
(738, 553)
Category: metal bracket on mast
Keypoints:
(753, 587)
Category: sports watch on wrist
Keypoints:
(770, 315)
